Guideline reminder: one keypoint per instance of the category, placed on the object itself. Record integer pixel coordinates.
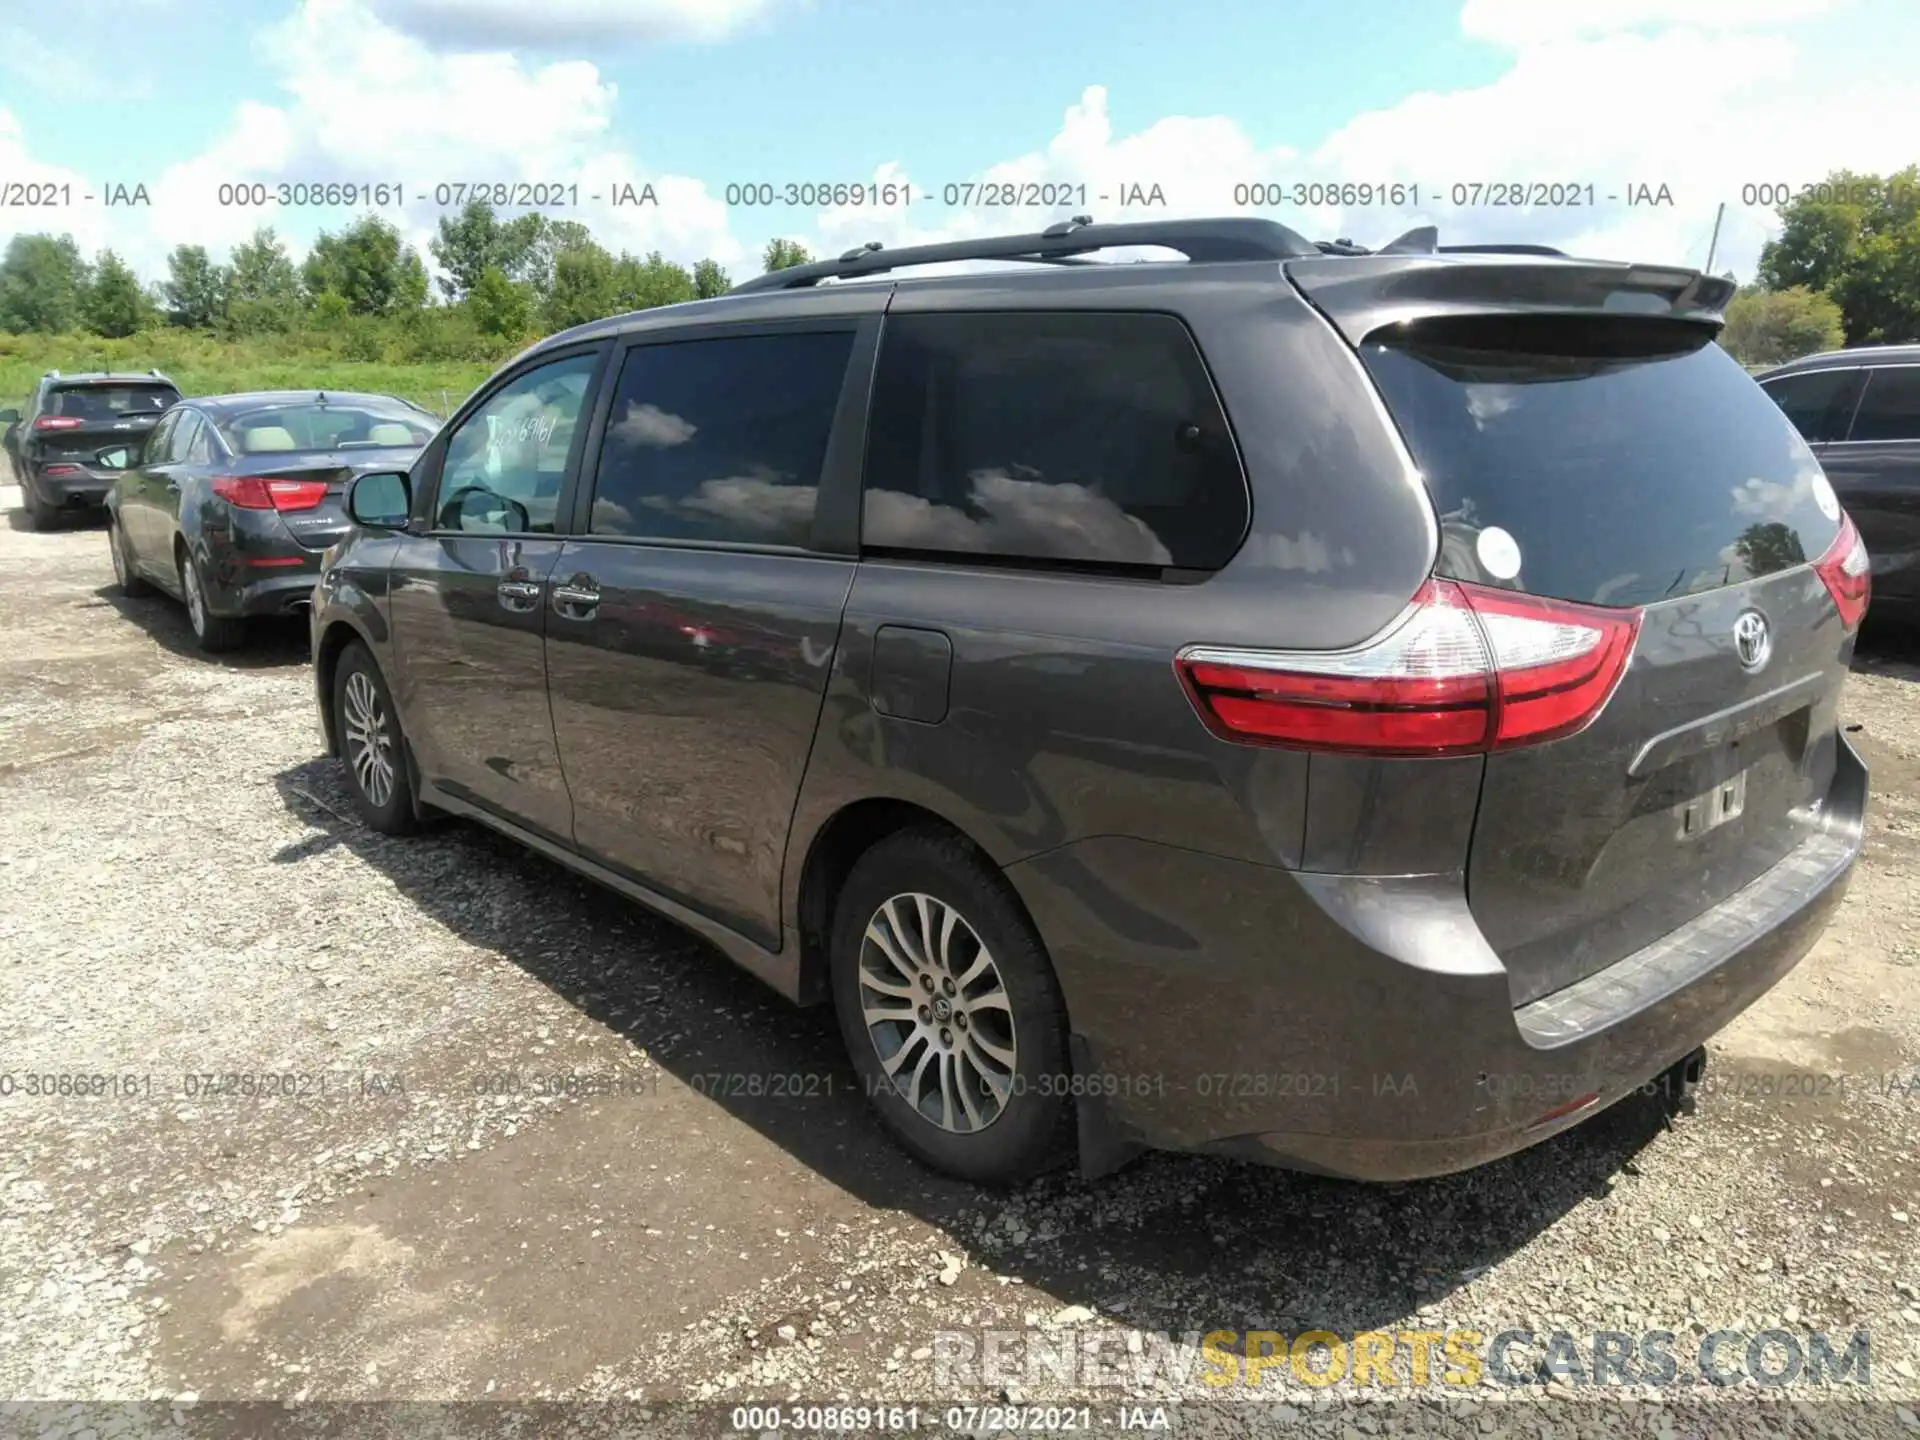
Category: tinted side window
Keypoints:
(720, 439)
(506, 462)
(1090, 438)
(1818, 402)
(157, 442)
(200, 447)
(1890, 410)
(184, 435)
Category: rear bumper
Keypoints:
(1362, 1027)
(239, 584)
(72, 490)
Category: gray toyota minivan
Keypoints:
(1365, 712)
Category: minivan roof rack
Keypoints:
(1232, 238)
(1500, 250)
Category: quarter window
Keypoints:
(185, 435)
(1079, 438)
(1890, 410)
(506, 461)
(161, 438)
(720, 440)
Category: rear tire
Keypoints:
(124, 573)
(371, 743)
(40, 514)
(213, 634)
(950, 1010)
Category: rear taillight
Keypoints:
(60, 470)
(57, 422)
(1847, 573)
(257, 492)
(1466, 669)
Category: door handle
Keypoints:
(578, 598)
(519, 596)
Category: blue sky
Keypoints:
(1702, 96)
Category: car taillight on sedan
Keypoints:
(1847, 573)
(260, 492)
(1466, 669)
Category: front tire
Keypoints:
(950, 1010)
(213, 634)
(372, 744)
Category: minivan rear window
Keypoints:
(1615, 460)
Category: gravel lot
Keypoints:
(182, 893)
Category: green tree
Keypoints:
(643, 284)
(583, 287)
(785, 254)
(499, 306)
(369, 266)
(1856, 239)
(533, 245)
(710, 280)
(1768, 548)
(43, 281)
(113, 303)
(1768, 327)
(467, 243)
(263, 288)
(194, 294)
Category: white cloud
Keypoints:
(1515, 23)
(356, 100)
(651, 426)
(549, 24)
(36, 179)
(1700, 96)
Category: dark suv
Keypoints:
(78, 433)
(1860, 411)
(1360, 711)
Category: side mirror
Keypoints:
(9, 416)
(380, 501)
(118, 458)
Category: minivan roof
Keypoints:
(1860, 355)
(1060, 257)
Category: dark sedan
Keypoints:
(234, 498)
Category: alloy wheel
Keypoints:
(369, 746)
(196, 602)
(938, 1013)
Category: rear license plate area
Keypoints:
(1713, 808)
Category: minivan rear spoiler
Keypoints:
(1362, 294)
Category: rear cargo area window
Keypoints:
(111, 402)
(1819, 403)
(1619, 461)
(1890, 410)
(1077, 438)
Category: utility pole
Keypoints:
(1714, 243)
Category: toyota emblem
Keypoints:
(1752, 641)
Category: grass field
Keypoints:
(202, 364)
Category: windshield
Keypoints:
(111, 402)
(349, 425)
(1607, 460)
